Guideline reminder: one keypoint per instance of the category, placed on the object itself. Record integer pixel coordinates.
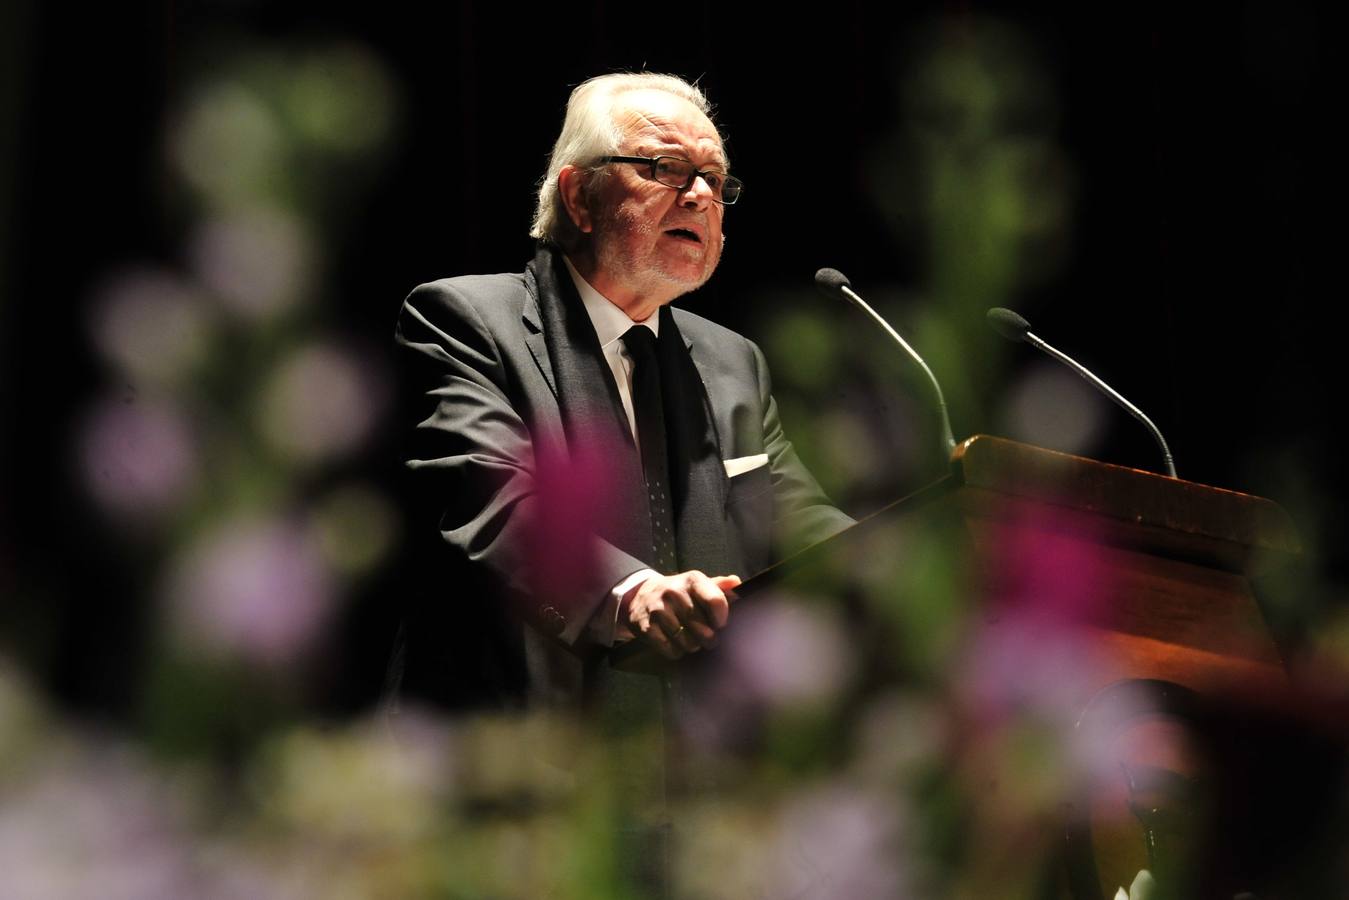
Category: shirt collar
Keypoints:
(610, 322)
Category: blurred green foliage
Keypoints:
(854, 749)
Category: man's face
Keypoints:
(651, 242)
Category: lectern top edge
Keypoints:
(1141, 499)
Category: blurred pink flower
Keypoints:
(137, 457)
(1028, 666)
(775, 654)
(255, 590)
(574, 492)
(842, 841)
(322, 403)
(1044, 568)
(789, 653)
(1031, 653)
(1128, 725)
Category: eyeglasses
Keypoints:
(679, 174)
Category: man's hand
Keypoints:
(681, 613)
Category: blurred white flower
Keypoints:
(95, 822)
(151, 323)
(362, 783)
(254, 590)
(259, 262)
(138, 457)
(321, 404)
(848, 446)
(228, 145)
(1052, 407)
(900, 734)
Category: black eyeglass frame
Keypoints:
(653, 161)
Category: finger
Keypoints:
(676, 631)
(677, 600)
(698, 589)
(702, 634)
(690, 639)
(728, 584)
(655, 635)
(686, 639)
(652, 621)
(693, 628)
(711, 599)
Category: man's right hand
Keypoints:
(678, 614)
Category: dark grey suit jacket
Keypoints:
(480, 631)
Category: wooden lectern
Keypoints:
(1172, 559)
(1167, 603)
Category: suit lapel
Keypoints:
(593, 422)
(700, 366)
(534, 340)
(698, 477)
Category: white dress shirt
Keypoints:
(611, 323)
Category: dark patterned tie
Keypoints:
(648, 408)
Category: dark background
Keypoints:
(1197, 281)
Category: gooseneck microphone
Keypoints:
(1015, 328)
(833, 283)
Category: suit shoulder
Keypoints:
(720, 352)
(489, 296)
(696, 328)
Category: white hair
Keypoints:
(589, 132)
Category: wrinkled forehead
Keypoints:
(656, 122)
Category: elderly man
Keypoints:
(597, 466)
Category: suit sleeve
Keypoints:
(473, 459)
(802, 514)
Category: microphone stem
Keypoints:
(947, 437)
(1110, 392)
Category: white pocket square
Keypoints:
(744, 464)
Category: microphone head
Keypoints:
(831, 282)
(1008, 324)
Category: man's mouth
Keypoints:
(684, 234)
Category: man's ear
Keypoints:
(571, 187)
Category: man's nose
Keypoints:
(698, 195)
